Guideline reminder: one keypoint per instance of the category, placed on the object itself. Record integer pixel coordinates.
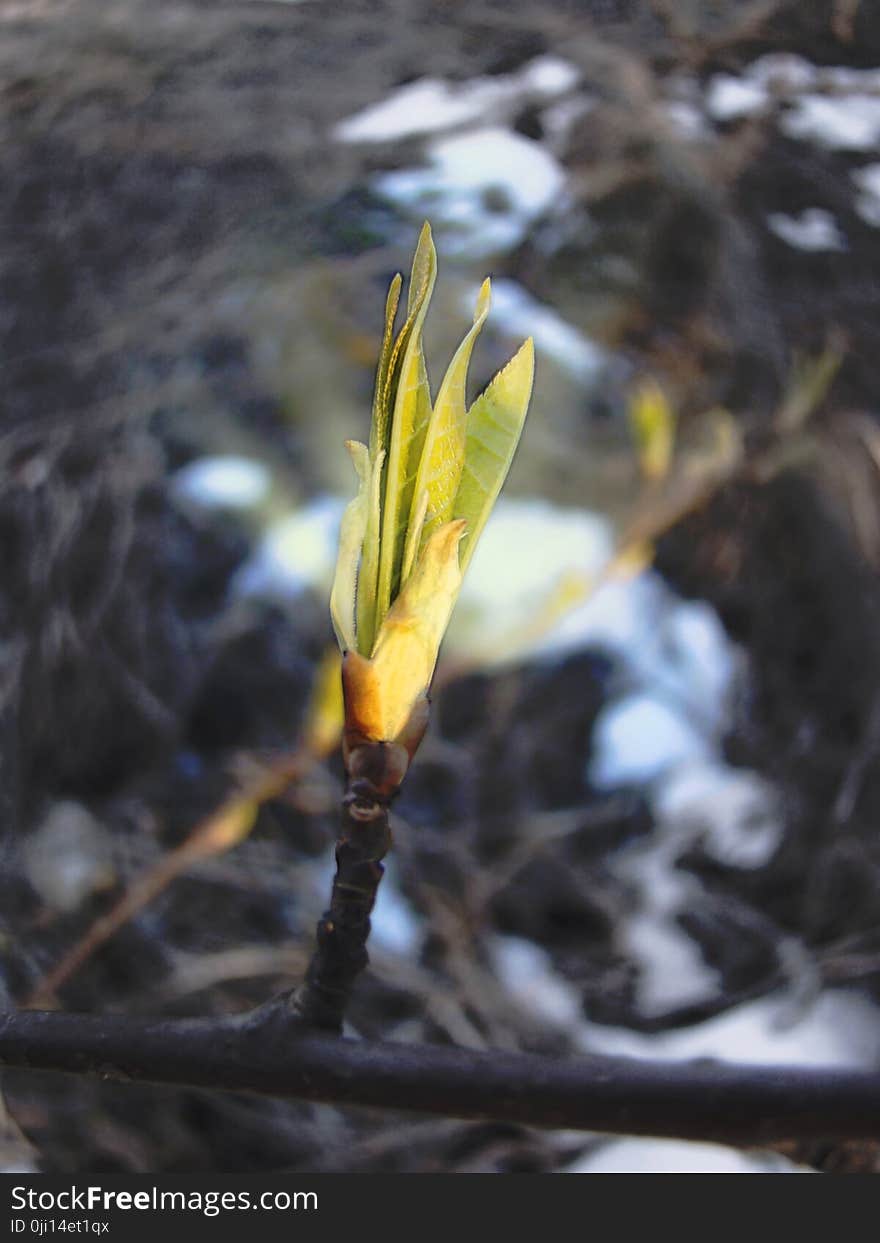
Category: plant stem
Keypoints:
(343, 929)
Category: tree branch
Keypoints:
(268, 1053)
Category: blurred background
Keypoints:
(644, 819)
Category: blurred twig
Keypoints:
(219, 832)
(223, 829)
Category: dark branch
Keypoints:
(344, 928)
(268, 1053)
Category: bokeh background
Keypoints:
(645, 817)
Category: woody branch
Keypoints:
(264, 1052)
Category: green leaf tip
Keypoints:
(427, 484)
(494, 425)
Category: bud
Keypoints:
(428, 481)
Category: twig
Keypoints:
(219, 832)
(343, 929)
(266, 1053)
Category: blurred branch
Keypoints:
(219, 832)
(843, 19)
(268, 1052)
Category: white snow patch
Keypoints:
(782, 72)
(432, 105)
(550, 75)
(675, 650)
(846, 123)
(427, 106)
(528, 975)
(840, 1028)
(683, 106)
(484, 187)
(845, 78)
(228, 482)
(527, 549)
(639, 738)
(686, 119)
(730, 99)
(672, 971)
(514, 310)
(693, 658)
(68, 857)
(664, 733)
(734, 812)
(673, 1156)
(868, 200)
(394, 925)
(814, 229)
(296, 553)
(559, 117)
(612, 617)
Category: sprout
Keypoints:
(427, 484)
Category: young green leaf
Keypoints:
(412, 411)
(351, 538)
(427, 485)
(443, 454)
(414, 535)
(379, 424)
(368, 570)
(494, 424)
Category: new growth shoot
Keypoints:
(428, 481)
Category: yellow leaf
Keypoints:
(653, 425)
(494, 424)
(324, 714)
(382, 694)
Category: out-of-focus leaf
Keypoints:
(720, 446)
(322, 729)
(443, 454)
(383, 692)
(808, 385)
(519, 638)
(632, 559)
(412, 412)
(351, 538)
(231, 824)
(494, 424)
(652, 420)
